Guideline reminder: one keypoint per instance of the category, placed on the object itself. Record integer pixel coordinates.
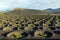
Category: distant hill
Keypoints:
(53, 10)
(27, 11)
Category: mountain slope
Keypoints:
(26, 11)
(53, 10)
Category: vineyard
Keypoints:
(14, 26)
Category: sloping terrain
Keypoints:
(14, 26)
(22, 24)
(27, 11)
(53, 10)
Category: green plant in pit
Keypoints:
(8, 29)
(48, 22)
(19, 25)
(40, 33)
(18, 35)
(15, 34)
(43, 35)
(46, 27)
(36, 22)
(29, 27)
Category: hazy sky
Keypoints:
(31, 4)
